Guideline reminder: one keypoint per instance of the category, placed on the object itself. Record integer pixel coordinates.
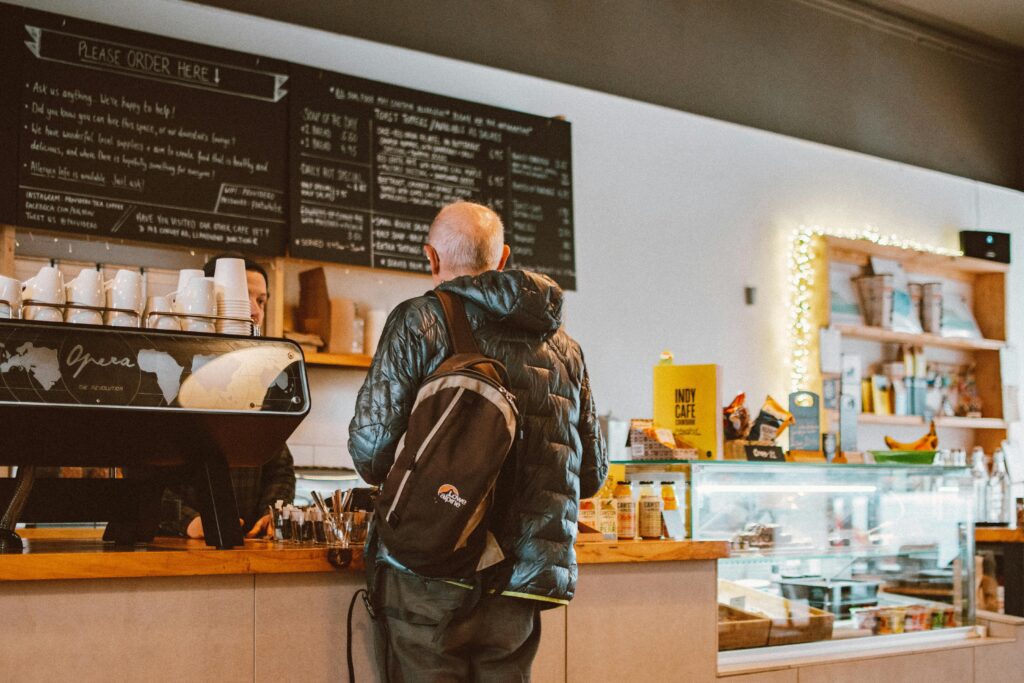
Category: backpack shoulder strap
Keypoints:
(459, 331)
(461, 336)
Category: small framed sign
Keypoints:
(757, 453)
(805, 435)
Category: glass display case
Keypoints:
(823, 552)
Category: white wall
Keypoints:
(675, 214)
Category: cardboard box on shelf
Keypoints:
(332, 319)
(645, 443)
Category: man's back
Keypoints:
(426, 628)
(516, 317)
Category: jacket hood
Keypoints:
(518, 298)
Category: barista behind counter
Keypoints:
(255, 487)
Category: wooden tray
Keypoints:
(791, 621)
(805, 625)
(738, 629)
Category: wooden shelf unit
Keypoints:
(987, 281)
(880, 334)
(277, 318)
(956, 267)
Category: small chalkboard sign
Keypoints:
(805, 434)
(757, 453)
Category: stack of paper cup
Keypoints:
(232, 296)
(931, 307)
(876, 299)
(374, 325)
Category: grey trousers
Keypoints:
(496, 642)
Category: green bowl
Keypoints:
(905, 457)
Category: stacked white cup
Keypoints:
(10, 297)
(196, 297)
(232, 296)
(124, 292)
(184, 275)
(156, 306)
(85, 290)
(46, 286)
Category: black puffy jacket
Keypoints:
(516, 318)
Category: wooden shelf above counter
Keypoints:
(338, 360)
(859, 251)
(998, 534)
(883, 335)
(918, 421)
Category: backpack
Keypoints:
(440, 510)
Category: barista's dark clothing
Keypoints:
(255, 489)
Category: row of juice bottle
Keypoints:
(617, 512)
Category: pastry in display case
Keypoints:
(826, 552)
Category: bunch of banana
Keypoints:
(928, 442)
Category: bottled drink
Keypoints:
(688, 506)
(668, 502)
(608, 518)
(650, 511)
(979, 471)
(588, 512)
(606, 513)
(625, 511)
(999, 497)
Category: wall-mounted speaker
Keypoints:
(993, 246)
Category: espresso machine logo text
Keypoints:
(78, 359)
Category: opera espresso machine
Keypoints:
(156, 408)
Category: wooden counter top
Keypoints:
(992, 534)
(607, 552)
(47, 557)
(80, 554)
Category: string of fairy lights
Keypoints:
(801, 286)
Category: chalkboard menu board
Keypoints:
(371, 164)
(127, 134)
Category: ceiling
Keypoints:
(1002, 20)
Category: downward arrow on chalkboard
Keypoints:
(279, 81)
(36, 34)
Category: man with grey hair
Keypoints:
(516, 318)
(470, 237)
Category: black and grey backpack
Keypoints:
(439, 512)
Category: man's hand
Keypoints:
(263, 528)
(195, 527)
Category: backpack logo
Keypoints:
(449, 494)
